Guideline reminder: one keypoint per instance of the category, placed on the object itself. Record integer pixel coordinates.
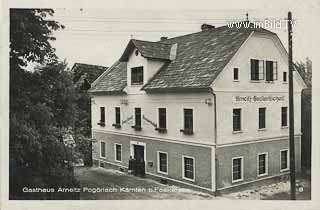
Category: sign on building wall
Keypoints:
(258, 98)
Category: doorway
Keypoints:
(138, 152)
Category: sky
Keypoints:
(99, 36)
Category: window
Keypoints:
(237, 169)
(257, 69)
(262, 164)
(284, 163)
(188, 121)
(163, 162)
(102, 116)
(284, 116)
(117, 117)
(118, 152)
(262, 118)
(236, 119)
(137, 75)
(188, 168)
(271, 70)
(102, 149)
(236, 74)
(137, 119)
(162, 120)
(285, 76)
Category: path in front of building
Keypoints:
(124, 186)
(128, 187)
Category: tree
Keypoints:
(41, 106)
(305, 70)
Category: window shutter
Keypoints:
(275, 70)
(252, 68)
(261, 70)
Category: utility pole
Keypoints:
(291, 115)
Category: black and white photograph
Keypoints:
(165, 101)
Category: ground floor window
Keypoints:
(102, 149)
(284, 163)
(237, 169)
(262, 164)
(163, 162)
(118, 152)
(188, 168)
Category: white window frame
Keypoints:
(237, 180)
(158, 162)
(284, 126)
(105, 145)
(164, 107)
(288, 160)
(265, 70)
(236, 80)
(134, 115)
(265, 119)
(194, 168)
(241, 120)
(193, 117)
(115, 152)
(266, 164)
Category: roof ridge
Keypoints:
(163, 41)
(156, 42)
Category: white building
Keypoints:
(207, 110)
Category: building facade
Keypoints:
(207, 110)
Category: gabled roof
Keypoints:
(156, 50)
(92, 72)
(113, 80)
(200, 57)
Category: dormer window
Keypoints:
(257, 70)
(271, 71)
(137, 75)
(136, 52)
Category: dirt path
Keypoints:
(121, 186)
(126, 187)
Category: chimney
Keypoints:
(163, 38)
(206, 27)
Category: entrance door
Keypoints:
(138, 152)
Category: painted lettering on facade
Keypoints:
(255, 99)
(149, 121)
(127, 120)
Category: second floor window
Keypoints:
(257, 69)
(117, 123)
(236, 119)
(284, 116)
(188, 119)
(137, 114)
(118, 115)
(162, 118)
(271, 70)
(137, 75)
(262, 118)
(102, 116)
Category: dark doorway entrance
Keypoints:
(139, 166)
(138, 153)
